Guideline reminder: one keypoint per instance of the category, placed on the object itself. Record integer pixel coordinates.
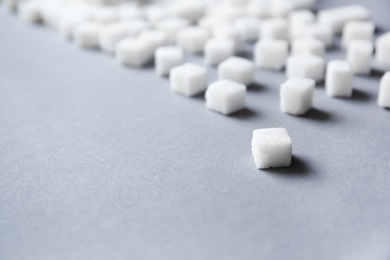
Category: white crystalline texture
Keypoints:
(166, 58)
(237, 69)
(384, 91)
(193, 39)
(135, 27)
(248, 28)
(30, 11)
(87, 35)
(382, 54)
(218, 49)
(271, 53)
(156, 38)
(338, 79)
(110, 35)
(172, 26)
(188, 79)
(308, 44)
(359, 56)
(225, 96)
(357, 30)
(134, 52)
(306, 65)
(296, 96)
(275, 28)
(271, 147)
(337, 17)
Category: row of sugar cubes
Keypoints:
(136, 34)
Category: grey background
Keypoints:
(100, 161)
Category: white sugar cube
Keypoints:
(188, 79)
(320, 32)
(68, 24)
(298, 19)
(248, 28)
(337, 17)
(359, 56)
(382, 46)
(30, 11)
(275, 28)
(134, 52)
(135, 27)
(110, 35)
(296, 96)
(357, 30)
(218, 49)
(166, 58)
(87, 34)
(228, 31)
(156, 38)
(189, 10)
(271, 147)
(237, 69)
(307, 44)
(338, 79)
(271, 53)
(172, 26)
(192, 39)
(306, 65)
(225, 96)
(384, 91)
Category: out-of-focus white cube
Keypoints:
(192, 39)
(172, 25)
(338, 79)
(248, 28)
(308, 44)
(87, 34)
(271, 147)
(382, 46)
(135, 27)
(166, 58)
(359, 56)
(188, 79)
(228, 31)
(134, 52)
(275, 28)
(357, 30)
(296, 96)
(218, 49)
(155, 37)
(306, 65)
(225, 96)
(271, 53)
(110, 35)
(384, 91)
(237, 69)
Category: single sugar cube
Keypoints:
(190, 10)
(298, 19)
(357, 30)
(87, 35)
(338, 79)
(308, 44)
(237, 69)
(321, 32)
(275, 28)
(306, 65)
(166, 58)
(110, 35)
(155, 37)
(188, 79)
(225, 96)
(271, 53)
(248, 28)
(172, 25)
(218, 49)
(193, 39)
(134, 52)
(384, 91)
(382, 46)
(271, 147)
(359, 56)
(296, 96)
(228, 31)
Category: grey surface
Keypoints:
(99, 161)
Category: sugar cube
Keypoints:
(166, 58)
(271, 53)
(155, 37)
(357, 30)
(228, 31)
(338, 79)
(172, 25)
(68, 24)
(306, 65)
(225, 96)
(308, 44)
(271, 147)
(188, 79)
(87, 34)
(296, 96)
(218, 49)
(135, 27)
(192, 39)
(359, 56)
(134, 52)
(110, 35)
(384, 91)
(275, 28)
(298, 19)
(248, 28)
(382, 46)
(320, 32)
(237, 69)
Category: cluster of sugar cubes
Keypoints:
(286, 34)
